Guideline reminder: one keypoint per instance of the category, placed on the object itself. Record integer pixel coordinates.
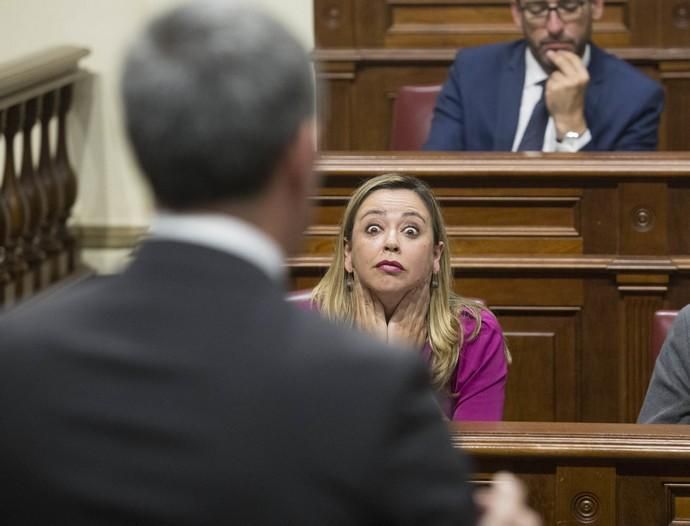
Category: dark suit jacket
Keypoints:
(186, 391)
(668, 397)
(479, 105)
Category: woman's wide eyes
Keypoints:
(408, 230)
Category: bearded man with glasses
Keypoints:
(553, 90)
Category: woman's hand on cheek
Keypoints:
(369, 314)
(408, 325)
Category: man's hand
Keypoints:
(369, 314)
(504, 503)
(565, 92)
(408, 323)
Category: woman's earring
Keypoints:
(434, 280)
(349, 281)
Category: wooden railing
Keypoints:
(588, 474)
(39, 185)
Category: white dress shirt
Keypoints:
(531, 93)
(222, 232)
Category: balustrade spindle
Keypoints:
(65, 176)
(7, 287)
(49, 230)
(35, 198)
(16, 207)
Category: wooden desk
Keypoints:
(573, 252)
(594, 474)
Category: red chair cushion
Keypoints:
(661, 323)
(412, 113)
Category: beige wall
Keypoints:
(110, 191)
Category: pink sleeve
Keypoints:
(482, 372)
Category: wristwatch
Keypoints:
(570, 136)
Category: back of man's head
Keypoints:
(214, 93)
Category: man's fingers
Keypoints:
(569, 64)
(504, 503)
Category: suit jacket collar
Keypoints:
(510, 82)
(200, 267)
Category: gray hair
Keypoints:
(213, 95)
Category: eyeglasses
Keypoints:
(567, 10)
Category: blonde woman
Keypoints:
(391, 276)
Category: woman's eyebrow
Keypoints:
(379, 212)
(415, 214)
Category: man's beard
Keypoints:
(539, 53)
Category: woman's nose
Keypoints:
(392, 244)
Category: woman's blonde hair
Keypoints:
(334, 299)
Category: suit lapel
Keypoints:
(511, 81)
(596, 85)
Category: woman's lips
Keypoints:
(390, 267)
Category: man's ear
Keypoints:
(347, 250)
(438, 250)
(517, 15)
(597, 9)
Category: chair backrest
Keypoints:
(412, 113)
(661, 323)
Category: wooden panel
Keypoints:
(637, 309)
(426, 22)
(334, 23)
(678, 510)
(643, 218)
(579, 474)
(542, 383)
(586, 495)
(675, 21)
(442, 23)
(677, 84)
(599, 334)
(678, 218)
(645, 27)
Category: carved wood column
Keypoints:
(7, 288)
(35, 198)
(16, 207)
(640, 296)
(49, 230)
(339, 78)
(66, 178)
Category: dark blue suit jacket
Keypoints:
(479, 105)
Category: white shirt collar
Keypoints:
(534, 73)
(222, 232)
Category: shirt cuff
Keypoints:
(574, 145)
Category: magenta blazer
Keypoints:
(479, 380)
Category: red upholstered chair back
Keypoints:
(412, 113)
(663, 319)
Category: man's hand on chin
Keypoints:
(565, 92)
